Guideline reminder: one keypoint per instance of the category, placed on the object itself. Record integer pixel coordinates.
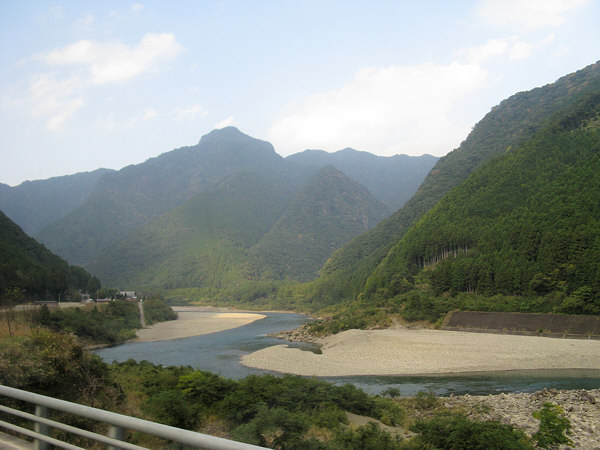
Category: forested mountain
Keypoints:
(104, 232)
(330, 210)
(31, 268)
(35, 204)
(250, 227)
(505, 127)
(392, 179)
(527, 225)
(203, 242)
(133, 196)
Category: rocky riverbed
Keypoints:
(582, 408)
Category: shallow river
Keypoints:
(220, 353)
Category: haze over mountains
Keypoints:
(223, 195)
(28, 268)
(507, 126)
(507, 221)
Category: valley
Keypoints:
(378, 250)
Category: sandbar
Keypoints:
(425, 351)
(195, 321)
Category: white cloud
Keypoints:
(513, 47)
(55, 100)
(188, 112)
(113, 61)
(230, 121)
(57, 95)
(491, 49)
(137, 7)
(385, 110)
(529, 14)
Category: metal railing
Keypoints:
(118, 423)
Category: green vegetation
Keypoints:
(36, 272)
(279, 412)
(93, 324)
(286, 412)
(110, 323)
(249, 229)
(505, 128)
(156, 310)
(454, 431)
(330, 210)
(554, 426)
(525, 225)
(56, 364)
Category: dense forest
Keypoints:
(28, 269)
(507, 126)
(526, 224)
(519, 234)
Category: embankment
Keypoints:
(528, 324)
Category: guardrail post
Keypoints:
(41, 411)
(116, 433)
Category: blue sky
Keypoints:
(89, 84)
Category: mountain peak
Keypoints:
(231, 141)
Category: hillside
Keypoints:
(133, 196)
(392, 179)
(506, 126)
(201, 243)
(330, 210)
(526, 225)
(250, 227)
(34, 205)
(29, 266)
(114, 215)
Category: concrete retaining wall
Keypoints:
(553, 325)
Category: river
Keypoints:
(221, 352)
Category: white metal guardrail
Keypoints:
(118, 423)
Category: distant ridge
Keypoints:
(393, 179)
(34, 205)
(327, 213)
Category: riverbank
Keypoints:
(402, 351)
(195, 321)
(581, 407)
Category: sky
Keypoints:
(90, 84)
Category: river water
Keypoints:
(221, 352)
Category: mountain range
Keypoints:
(231, 198)
(505, 128)
(507, 221)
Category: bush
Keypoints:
(369, 436)
(157, 310)
(276, 428)
(205, 388)
(171, 408)
(454, 431)
(554, 426)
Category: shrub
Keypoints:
(454, 431)
(369, 436)
(554, 426)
